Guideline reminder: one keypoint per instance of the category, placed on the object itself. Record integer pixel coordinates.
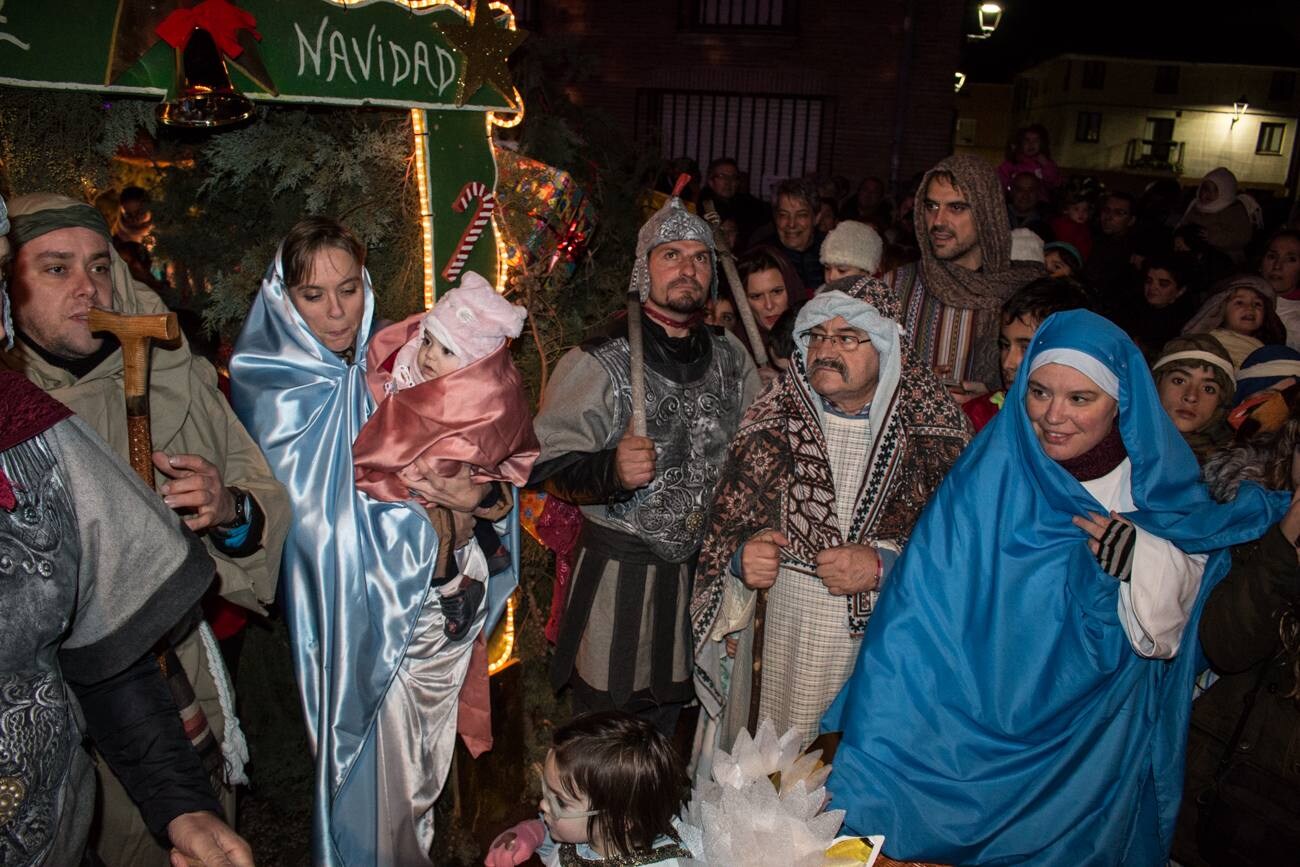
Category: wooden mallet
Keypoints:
(136, 333)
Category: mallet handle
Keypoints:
(135, 334)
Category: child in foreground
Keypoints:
(611, 788)
(449, 401)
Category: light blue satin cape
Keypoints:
(355, 571)
(997, 713)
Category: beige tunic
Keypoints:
(808, 652)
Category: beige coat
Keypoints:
(187, 415)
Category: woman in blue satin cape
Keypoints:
(355, 579)
(1000, 711)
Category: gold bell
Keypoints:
(202, 95)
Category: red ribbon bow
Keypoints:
(217, 17)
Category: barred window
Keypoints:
(771, 136)
(737, 14)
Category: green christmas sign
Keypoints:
(316, 51)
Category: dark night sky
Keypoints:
(1263, 32)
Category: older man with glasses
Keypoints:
(823, 482)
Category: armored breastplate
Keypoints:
(38, 585)
(691, 424)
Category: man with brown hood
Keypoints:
(951, 298)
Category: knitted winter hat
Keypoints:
(1026, 246)
(1073, 257)
(472, 320)
(1264, 368)
(853, 244)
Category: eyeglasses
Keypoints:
(846, 342)
(553, 803)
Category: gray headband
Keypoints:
(27, 227)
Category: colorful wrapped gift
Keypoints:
(546, 217)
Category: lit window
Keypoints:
(1270, 138)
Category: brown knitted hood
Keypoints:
(999, 276)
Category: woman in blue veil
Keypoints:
(1022, 695)
(378, 676)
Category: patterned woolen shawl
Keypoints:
(778, 472)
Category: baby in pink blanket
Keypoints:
(448, 392)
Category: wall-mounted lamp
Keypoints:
(990, 16)
(960, 80)
(1239, 107)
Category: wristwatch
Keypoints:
(242, 510)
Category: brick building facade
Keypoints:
(787, 87)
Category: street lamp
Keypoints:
(990, 17)
(960, 81)
(1239, 108)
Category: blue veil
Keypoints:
(355, 571)
(997, 713)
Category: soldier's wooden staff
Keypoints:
(727, 260)
(636, 362)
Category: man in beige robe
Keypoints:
(207, 466)
(823, 481)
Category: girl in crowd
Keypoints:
(1031, 151)
(1062, 260)
(377, 675)
(1281, 268)
(1023, 693)
(1245, 729)
(1241, 316)
(612, 786)
(1195, 380)
(722, 314)
(1072, 224)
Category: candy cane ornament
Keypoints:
(487, 202)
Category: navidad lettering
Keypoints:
(382, 59)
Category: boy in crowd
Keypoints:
(1022, 313)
